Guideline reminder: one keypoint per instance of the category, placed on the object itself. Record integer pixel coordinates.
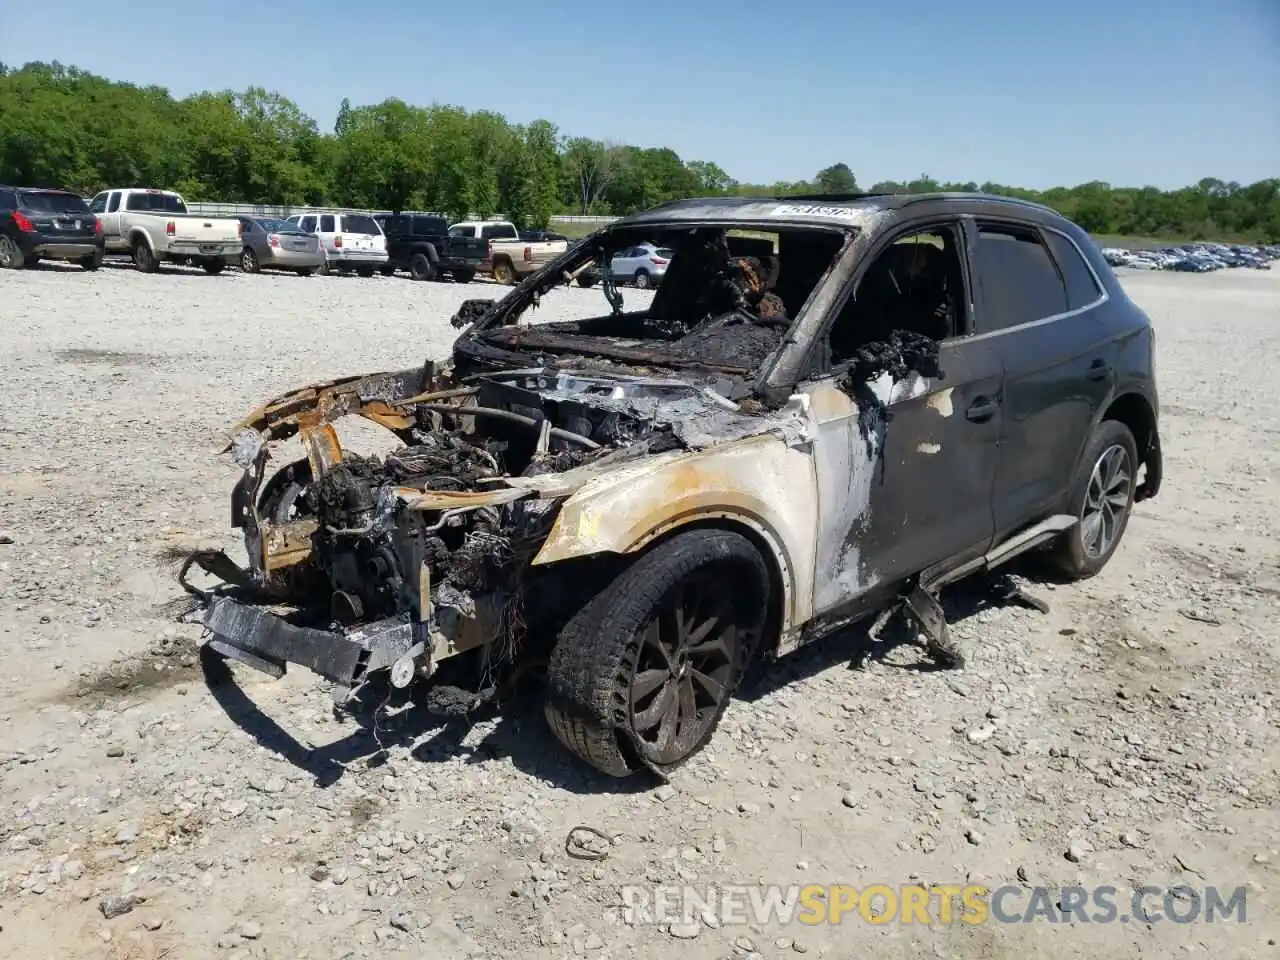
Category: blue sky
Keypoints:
(1033, 93)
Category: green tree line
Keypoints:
(60, 126)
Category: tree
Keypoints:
(592, 166)
(712, 179)
(837, 178)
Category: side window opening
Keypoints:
(308, 224)
(326, 223)
(114, 204)
(99, 204)
(1082, 285)
(916, 285)
(1019, 279)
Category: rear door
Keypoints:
(362, 234)
(61, 217)
(1058, 361)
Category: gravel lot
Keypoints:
(1128, 736)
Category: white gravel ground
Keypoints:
(1135, 726)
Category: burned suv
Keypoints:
(832, 408)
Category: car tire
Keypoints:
(605, 678)
(504, 273)
(213, 267)
(1101, 499)
(32, 260)
(305, 271)
(463, 276)
(642, 280)
(323, 269)
(91, 262)
(10, 255)
(249, 261)
(144, 259)
(365, 272)
(421, 267)
(388, 271)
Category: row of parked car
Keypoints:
(1194, 257)
(153, 227)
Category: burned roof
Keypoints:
(841, 210)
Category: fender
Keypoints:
(758, 483)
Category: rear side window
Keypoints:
(1018, 278)
(308, 224)
(8, 200)
(499, 231)
(1082, 288)
(429, 226)
(53, 202)
(155, 203)
(358, 223)
(326, 223)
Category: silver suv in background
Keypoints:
(350, 241)
(645, 264)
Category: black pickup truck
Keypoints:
(420, 243)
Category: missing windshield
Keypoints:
(678, 297)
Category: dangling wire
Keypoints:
(609, 284)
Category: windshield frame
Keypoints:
(617, 236)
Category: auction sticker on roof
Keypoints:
(815, 210)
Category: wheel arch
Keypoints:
(1138, 414)
(138, 233)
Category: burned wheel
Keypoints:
(642, 674)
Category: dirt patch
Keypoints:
(166, 665)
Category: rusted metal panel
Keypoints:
(324, 450)
(286, 544)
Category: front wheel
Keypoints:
(642, 674)
(503, 273)
(1101, 499)
(388, 270)
(643, 280)
(365, 272)
(213, 267)
(421, 267)
(463, 276)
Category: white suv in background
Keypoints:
(350, 241)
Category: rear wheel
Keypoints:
(365, 272)
(1101, 499)
(10, 256)
(421, 267)
(143, 258)
(388, 270)
(463, 276)
(504, 273)
(642, 279)
(249, 261)
(91, 262)
(642, 674)
(213, 267)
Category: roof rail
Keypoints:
(831, 197)
(910, 198)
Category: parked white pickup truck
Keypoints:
(154, 227)
(511, 257)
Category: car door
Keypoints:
(111, 231)
(623, 263)
(327, 232)
(905, 469)
(1058, 359)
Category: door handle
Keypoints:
(982, 409)
(1099, 369)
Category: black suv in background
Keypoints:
(421, 244)
(37, 223)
